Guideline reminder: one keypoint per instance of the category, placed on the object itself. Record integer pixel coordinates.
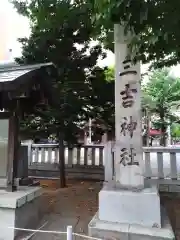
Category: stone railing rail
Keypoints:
(161, 164)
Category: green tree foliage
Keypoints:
(81, 87)
(155, 23)
(54, 38)
(110, 74)
(175, 129)
(102, 92)
(60, 33)
(161, 96)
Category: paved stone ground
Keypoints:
(77, 204)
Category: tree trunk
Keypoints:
(144, 140)
(163, 128)
(151, 141)
(62, 161)
(148, 128)
(163, 134)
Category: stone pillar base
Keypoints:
(19, 209)
(131, 207)
(119, 231)
(130, 215)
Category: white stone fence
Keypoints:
(87, 155)
(161, 164)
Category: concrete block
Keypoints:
(107, 230)
(7, 220)
(141, 233)
(19, 209)
(110, 231)
(122, 206)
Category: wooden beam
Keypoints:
(13, 149)
(8, 115)
(5, 115)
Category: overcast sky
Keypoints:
(14, 26)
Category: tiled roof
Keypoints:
(10, 72)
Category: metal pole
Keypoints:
(69, 233)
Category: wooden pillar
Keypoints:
(13, 150)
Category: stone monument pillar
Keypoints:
(128, 149)
(128, 209)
